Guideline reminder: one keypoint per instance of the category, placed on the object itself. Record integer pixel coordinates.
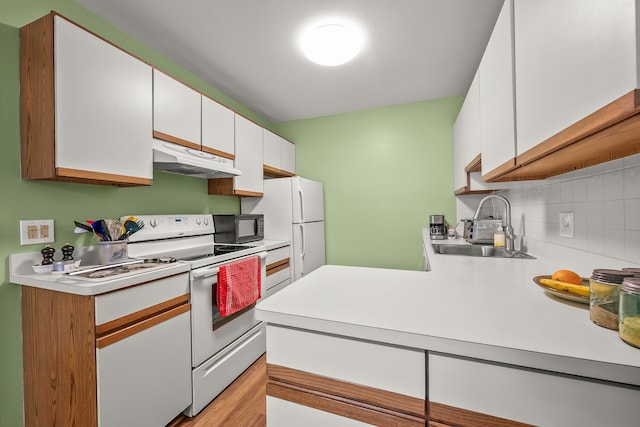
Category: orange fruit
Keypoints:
(567, 276)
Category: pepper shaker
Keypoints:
(47, 255)
(67, 253)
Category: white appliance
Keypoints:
(174, 158)
(293, 210)
(222, 347)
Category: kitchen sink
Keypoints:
(479, 251)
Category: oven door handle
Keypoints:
(212, 271)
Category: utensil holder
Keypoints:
(112, 252)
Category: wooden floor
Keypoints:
(242, 404)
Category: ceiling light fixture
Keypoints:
(332, 44)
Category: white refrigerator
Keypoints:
(293, 210)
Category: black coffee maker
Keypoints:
(437, 227)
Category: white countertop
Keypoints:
(21, 272)
(485, 308)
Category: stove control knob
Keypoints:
(198, 221)
(153, 222)
(206, 221)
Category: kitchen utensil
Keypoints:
(100, 230)
(131, 227)
(115, 228)
(83, 227)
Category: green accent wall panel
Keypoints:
(385, 171)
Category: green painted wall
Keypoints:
(385, 171)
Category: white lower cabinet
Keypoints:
(318, 379)
(143, 353)
(526, 396)
(144, 380)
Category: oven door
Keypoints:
(208, 339)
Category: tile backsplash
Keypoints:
(605, 200)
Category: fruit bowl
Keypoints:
(564, 294)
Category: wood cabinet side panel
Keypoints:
(59, 358)
(37, 99)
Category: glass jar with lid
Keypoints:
(629, 325)
(604, 296)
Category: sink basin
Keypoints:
(479, 251)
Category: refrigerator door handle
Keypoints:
(301, 194)
(303, 249)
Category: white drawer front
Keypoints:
(282, 413)
(531, 397)
(277, 278)
(113, 305)
(277, 254)
(395, 369)
(277, 288)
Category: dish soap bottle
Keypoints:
(499, 238)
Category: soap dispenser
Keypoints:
(499, 238)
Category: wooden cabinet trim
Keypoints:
(272, 172)
(474, 165)
(124, 321)
(340, 406)
(59, 359)
(507, 166)
(220, 187)
(176, 140)
(441, 414)
(301, 386)
(100, 178)
(37, 99)
(277, 266)
(610, 133)
(247, 193)
(218, 152)
(133, 329)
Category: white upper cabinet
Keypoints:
(466, 134)
(176, 111)
(86, 111)
(497, 130)
(249, 158)
(279, 155)
(572, 57)
(218, 129)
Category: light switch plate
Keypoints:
(566, 224)
(36, 231)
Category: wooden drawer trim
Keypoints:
(277, 266)
(300, 387)
(341, 406)
(450, 415)
(123, 327)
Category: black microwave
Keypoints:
(239, 228)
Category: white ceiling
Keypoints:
(415, 50)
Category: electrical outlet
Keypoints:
(36, 231)
(566, 224)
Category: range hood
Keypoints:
(174, 158)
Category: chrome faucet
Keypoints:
(508, 230)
